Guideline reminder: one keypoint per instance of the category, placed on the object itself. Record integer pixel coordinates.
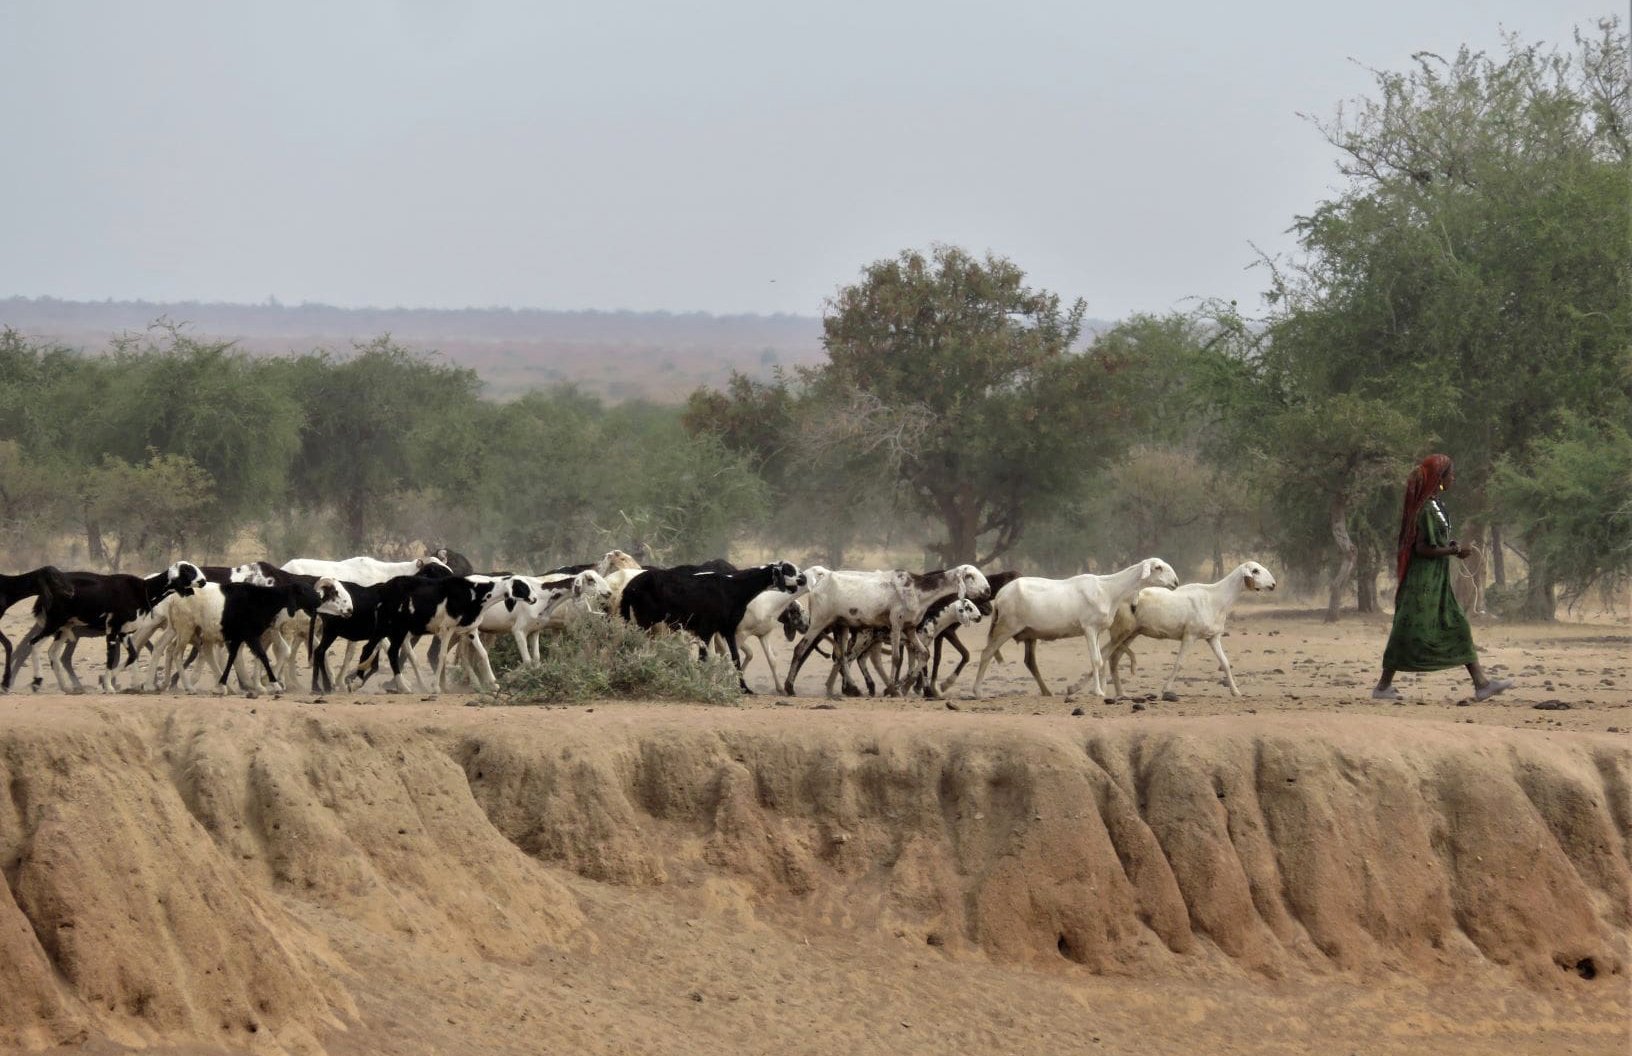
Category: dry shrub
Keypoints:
(597, 658)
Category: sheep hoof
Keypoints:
(1169, 696)
(852, 691)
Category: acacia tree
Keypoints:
(377, 422)
(153, 508)
(964, 380)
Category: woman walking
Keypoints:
(1431, 632)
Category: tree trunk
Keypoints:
(356, 521)
(1498, 564)
(835, 551)
(1218, 552)
(93, 541)
(962, 530)
(1366, 584)
(1345, 545)
(1540, 603)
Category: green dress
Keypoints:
(1431, 633)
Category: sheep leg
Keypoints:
(993, 644)
(745, 651)
(1223, 661)
(1167, 690)
(801, 652)
(917, 662)
(736, 661)
(181, 671)
(871, 657)
(439, 650)
(320, 661)
(1117, 653)
(161, 655)
(68, 661)
(833, 667)
(25, 646)
(259, 652)
(484, 666)
(394, 654)
(892, 688)
(1031, 665)
(844, 645)
(226, 670)
(844, 652)
(413, 661)
(770, 659)
(372, 651)
(963, 659)
(933, 689)
(53, 656)
(1096, 667)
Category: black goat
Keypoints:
(705, 602)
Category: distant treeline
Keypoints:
(618, 355)
(272, 318)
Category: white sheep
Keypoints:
(1195, 610)
(1034, 609)
(869, 643)
(770, 612)
(894, 600)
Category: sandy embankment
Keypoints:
(289, 876)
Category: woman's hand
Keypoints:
(1462, 551)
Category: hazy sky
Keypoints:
(713, 156)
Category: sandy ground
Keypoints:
(702, 961)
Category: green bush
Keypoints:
(598, 658)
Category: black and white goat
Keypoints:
(101, 604)
(45, 582)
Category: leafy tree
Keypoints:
(153, 508)
(1570, 497)
(378, 421)
(964, 380)
(209, 404)
(33, 504)
(1470, 283)
(628, 476)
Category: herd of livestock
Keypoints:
(253, 619)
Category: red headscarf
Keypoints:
(1420, 486)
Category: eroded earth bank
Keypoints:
(208, 876)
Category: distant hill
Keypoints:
(620, 355)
